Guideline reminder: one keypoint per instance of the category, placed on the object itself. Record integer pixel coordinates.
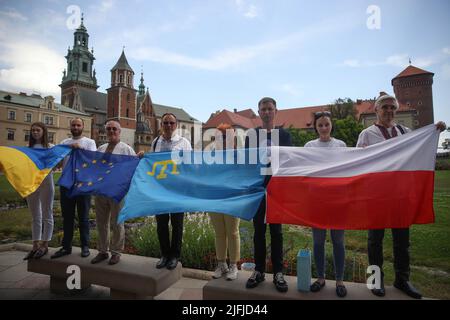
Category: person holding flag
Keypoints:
(170, 250)
(81, 202)
(323, 127)
(383, 129)
(40, 202)
(107, 209)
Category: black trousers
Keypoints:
(401, 244)
(168, 248)
(259, 241)
(68, 205)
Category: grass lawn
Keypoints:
(430, 244)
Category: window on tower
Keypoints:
(84, 42)
(85, 66)
(70, 66)
(127, 113)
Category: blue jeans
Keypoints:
(337, 237)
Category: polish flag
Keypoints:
(386, 185)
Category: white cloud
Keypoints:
(235, 57)
(106, 5)
(446, 50)
(291, 89)
(353, 63)
(396, 60)
(31, 66)
(13, 14)
(248, 10)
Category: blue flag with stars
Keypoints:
(88, 172)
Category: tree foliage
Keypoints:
(343, 108)
(347, 130)
(300, 137)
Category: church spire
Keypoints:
(142, 86)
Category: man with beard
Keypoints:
(82, 203)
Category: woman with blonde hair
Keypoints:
(225, 226)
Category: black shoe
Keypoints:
(279, 282)
(85, 252)
(317, 286)
(61, 252)
(30, 254)
(162, 262)
(408, 288)
(255, 279)
(341, 291)
(172, 263)
(380, 292)
(100, 257)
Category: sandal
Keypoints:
(317, 286)
(40, 253)
(341, 291)
(30, 254)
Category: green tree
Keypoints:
(343, 108)
(347, 130)
(301, 137)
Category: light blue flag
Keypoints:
(162, 185)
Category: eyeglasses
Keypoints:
(111, 128)
(169, 122)
(322, 114)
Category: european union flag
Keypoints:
(161, 184)
(26, 168)
(88, 172)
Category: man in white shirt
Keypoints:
(385, 128)
(82, 203)
(170, 250)
(106, 209)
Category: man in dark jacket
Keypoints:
(267, 136)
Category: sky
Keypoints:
(205, 56)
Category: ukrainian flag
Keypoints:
(26, 168)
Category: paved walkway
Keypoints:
(17, 283)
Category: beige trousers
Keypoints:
(107, 212)
(227, 236)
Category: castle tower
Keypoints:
(122, 99)
(413, 89)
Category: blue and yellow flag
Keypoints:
(163, 185)
(88, 172)
(26, 168)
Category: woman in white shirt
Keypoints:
(40, 202)
(323, 127)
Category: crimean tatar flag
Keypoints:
(26, 168)
(386, 185)
(162, 184)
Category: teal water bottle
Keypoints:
(303, 270)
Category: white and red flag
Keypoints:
(386, 185)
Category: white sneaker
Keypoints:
(233, 273)
(222, 268)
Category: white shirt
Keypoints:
(333, 143)
(372, 135)
(84, 142)
(120, 148)
(176, 143)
